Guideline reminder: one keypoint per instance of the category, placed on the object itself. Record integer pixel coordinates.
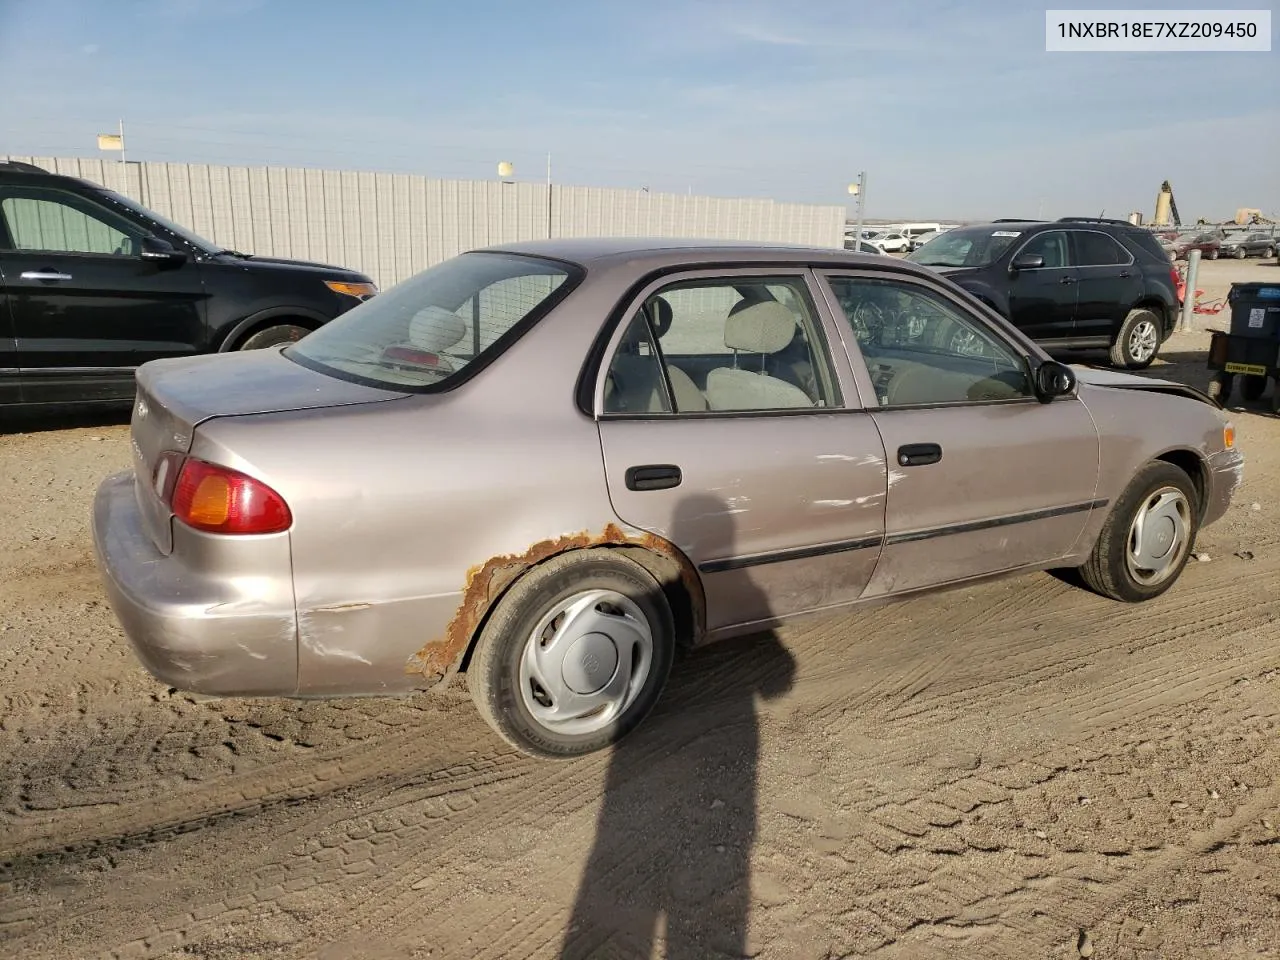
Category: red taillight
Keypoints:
(221, 500)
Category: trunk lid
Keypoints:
(175, 396)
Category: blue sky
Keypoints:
(953, 109)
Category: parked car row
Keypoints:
(1214, 242)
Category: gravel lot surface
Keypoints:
(1015, 770)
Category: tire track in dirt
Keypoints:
(961, 799)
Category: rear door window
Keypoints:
(1095, 249)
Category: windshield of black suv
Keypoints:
(432, 326)
(965, 247)
(195, 240)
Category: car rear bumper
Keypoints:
(215, 616)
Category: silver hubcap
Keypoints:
(586, 662)
(1143, 341)
(1159, 536)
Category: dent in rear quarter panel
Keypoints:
(394, 503)
(1136, 427)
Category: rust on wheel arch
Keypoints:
(487, 582)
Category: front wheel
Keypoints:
(1138, 341)
(574, 656)
(1145, 542)
(1240, 253)
(1211, 255)
(1268, 253)
(274, 336)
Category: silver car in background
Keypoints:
(554, 465)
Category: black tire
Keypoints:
(1240, 253)
(273, 336)
(1123, 347)
(1106, 571)
(1220, 388)
(493, 676)
(1211, 255)
(1268, 253)
(1253, 386)
(1275, 396)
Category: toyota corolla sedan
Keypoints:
(552, 466)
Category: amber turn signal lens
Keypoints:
(350, 289)
(1229, 436)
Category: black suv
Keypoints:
(92, 285)
(1074, 283)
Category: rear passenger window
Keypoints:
(1098, 250)
(740, 344)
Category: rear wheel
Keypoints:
(1138, 341)
(1253, 386)
(1211, 255)
(574, 656)
(1240, 254)
(1268, 253)
(1145, 542)
(274, 336)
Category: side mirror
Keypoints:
(1029, 261)
(1053, 379)
(160, 251)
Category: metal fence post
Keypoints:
(1189, 293)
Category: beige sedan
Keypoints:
(553, 466)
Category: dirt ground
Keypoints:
(1015, 770)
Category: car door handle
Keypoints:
(919, 454)
(44, 275)
(1125, 273)
(1067, 280)
(653, 476)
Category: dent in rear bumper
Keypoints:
(215, 616)
(1226, 473)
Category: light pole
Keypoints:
(859, 190)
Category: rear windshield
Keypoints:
(965, 247)
(425, 331)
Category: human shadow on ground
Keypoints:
(671, 862)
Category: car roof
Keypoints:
(19, 173)
(663, 251)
